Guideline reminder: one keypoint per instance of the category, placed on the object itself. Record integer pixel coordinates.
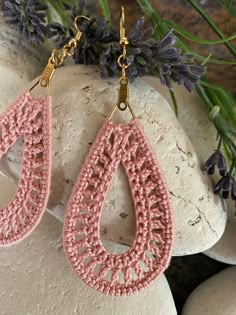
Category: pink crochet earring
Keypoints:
(150, 252)
(30, 118)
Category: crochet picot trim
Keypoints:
(150, 253)
(31, 119)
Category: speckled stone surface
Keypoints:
(81, 103)
(37, 279)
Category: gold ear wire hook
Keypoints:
(123, 38)
(57, 57)
(123, 97)
(122, 23)
(79, 33)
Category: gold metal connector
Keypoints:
(122, 61)
(48, 73)
(59, 55)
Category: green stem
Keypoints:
(195, 39)
(174, 101)
(105, 9)
(204, 96)
(49, 14)
(219, 143)
(227, 139)
(232, 167)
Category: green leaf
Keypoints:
(62, 13)
(212, 60)
(206, 60)
(212, 24)
(195, 39)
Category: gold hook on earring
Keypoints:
(79, 33)
(123, 43)
(123, 39)
(123, 98)
(58, 55)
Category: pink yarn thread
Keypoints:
(150, 252)
(30, 118)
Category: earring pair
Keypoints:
(124, 144)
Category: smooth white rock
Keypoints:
(215, 296)
(20, 62)
(37, 279)
(81, 102)
(225, 250)
(193, 117)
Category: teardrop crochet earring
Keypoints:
(30, 118)
(150, 252)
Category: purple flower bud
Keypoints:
(181, 69)
(225, 186)
(216, 159)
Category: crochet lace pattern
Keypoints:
(31, 119)
(150, 253)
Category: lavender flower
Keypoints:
(139, 53)
(28, 16)
(225, 186)
(108, 60)
(174, 66)
(140, 50)
(60, 34)
(96, 38)
(216, 159)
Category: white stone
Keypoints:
(81, 102)
(19, 62)
(194, 119)
(8, 188)
(215, 296)
(224, 250)
(37, 279)
(193, 116)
